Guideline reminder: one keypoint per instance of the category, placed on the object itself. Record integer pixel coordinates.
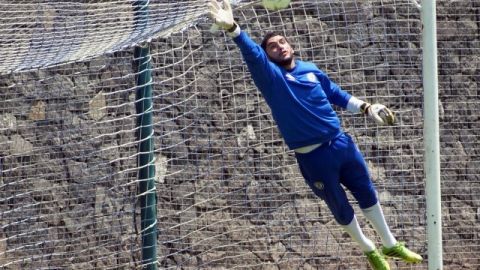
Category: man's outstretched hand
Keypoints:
(380, 113)
(221, 14)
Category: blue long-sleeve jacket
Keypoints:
(300, 99)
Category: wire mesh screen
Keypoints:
(229, 194)
(459, 71)
(44, 33)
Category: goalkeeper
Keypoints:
(300, 98)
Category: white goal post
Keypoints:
(228, 191)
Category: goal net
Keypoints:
(229, 194)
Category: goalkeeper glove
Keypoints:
(380, 113)
(221, 13)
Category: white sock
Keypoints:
(374, 214)
(353, 229)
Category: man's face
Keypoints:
(279, 50)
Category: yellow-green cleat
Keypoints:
(377, 260)
(399, 251)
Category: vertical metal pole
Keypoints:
(146, 174)
(431, 136)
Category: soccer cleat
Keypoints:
(399, 251)
(376, 260)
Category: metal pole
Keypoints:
(431, 136)
(146, 173)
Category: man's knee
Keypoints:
(338, 204)
(343, 216)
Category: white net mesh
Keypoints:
(44, 33)
(229, 192)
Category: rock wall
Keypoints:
(229, 192)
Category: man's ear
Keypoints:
(291, 47)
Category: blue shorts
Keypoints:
(336, 163)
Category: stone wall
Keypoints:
(229, 192)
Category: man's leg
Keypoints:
(320, 168)
(374, 257)
(356, 178)
(374, 214)
(353, 229)
(391, 247)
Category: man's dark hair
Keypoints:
(268, 36)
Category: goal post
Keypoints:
(84, 84)
(146, 159)
(431, 136)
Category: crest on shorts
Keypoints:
(318, 185)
